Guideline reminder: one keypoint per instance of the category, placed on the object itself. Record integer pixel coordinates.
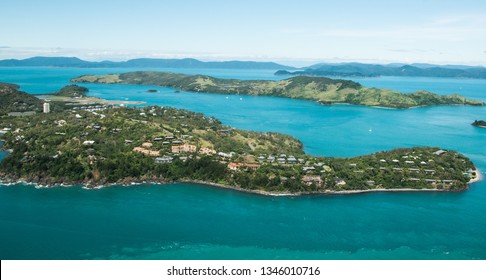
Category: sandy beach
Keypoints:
(479, 177)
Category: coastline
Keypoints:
(12, 182)
(479, 177)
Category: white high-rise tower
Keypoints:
(47, 108)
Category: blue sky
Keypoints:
(296, 32)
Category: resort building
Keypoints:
(236, 166)
(46, 108)
(309, 180)
(164, 159)
(147, 145)
(186, 148)
(146, 152)
(207, 151)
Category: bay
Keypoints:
(187, 221)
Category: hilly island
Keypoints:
(323, 90)
(104, 145)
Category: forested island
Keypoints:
(320, 89)
(479, 123)
(103, 146)
(73, 91)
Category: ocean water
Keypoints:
(188, 221)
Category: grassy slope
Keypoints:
(12, 100)
(302, 87)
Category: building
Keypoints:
(146, 152)
(207, 151)
(186, 148)
(439, 152)
(236, 166)
(86, 143)
(164, 159)
(309, 180)
(46, 107)
(147, 145)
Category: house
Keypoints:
(225, 155)
(352, 164)
(409, 162)
(430, 181)
(312, 179)
(236, 166)
(395, 161)
(414, 170)
(128, 141)
(207, 151)
(308, 168)
(164, 159)
(147, 145)
(439, 152)
(60, 122)
(233, 166)
(186, 148)
(251, 165)
(429, 171)
(89, 142)
(370, 183)
(291, 159)
(340, 182)
(413, 179)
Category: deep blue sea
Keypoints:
(188, 221)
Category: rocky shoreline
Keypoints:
(6, 180)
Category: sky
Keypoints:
(297, 32)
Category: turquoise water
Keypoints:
(187, 221)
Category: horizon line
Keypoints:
(303, 62)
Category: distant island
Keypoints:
(479, 123)
(352, 69)
(41, 61)
(320, 89)
(96, 146)
(396, 69)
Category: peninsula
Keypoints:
(96, 146)
(320, 89)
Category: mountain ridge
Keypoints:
(355, 69)
(42, 61)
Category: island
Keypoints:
(361, 70)
(479, 123)
(73, 91)
(117, 145)
(320, 89)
